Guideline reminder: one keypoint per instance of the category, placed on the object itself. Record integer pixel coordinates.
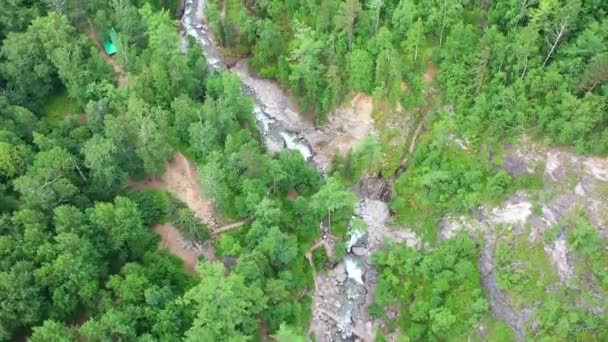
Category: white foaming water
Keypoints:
(355, 236)
(292, 142)
(262, 118)
(354, 271)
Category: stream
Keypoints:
(342, 295)
(276, 134)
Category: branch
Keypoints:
(559, 34)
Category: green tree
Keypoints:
(119, 131)
(15, 15)
(345, 18)
(287, 334)
(13, 159)
(226, 309)
(403, 17)
(279, 247)
(213, 184)
(361, 69)
(307, 69)
(48, 182)
(438, 291)
(442, 15)
(554, 19)
(70, 270)
(101, 158)
(268, 48)
(21, 298)
(26, 66)
(190, 226)
(332, 197)
(121, 227)
(52, 330)
(112, 325)
(411, 45)
(151, 127)
(595, 74)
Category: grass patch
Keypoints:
(319, 259)
(588, 252)
(58, 107)
(493, 330)
(523, 270)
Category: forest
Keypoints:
(453, 82)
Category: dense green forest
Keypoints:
(507, 66)
(78, 256)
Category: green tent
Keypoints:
(109, 42)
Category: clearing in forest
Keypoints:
(180, 180)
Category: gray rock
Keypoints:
(341, 277)
(358, 250)
(340, 273)
(514, 164)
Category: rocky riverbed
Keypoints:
(342, 295)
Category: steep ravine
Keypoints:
(341, 295)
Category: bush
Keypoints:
(154, 205)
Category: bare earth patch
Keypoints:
(172, 240)
(347, 126)
(180, 180)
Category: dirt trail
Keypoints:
(180, 180)
(171, 239)
(121, 77)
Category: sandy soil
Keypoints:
(347, 126)
(172, 240)
(430, 73)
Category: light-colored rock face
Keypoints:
(375, 214)
(558, 254)
(569, 182)
(451, 226)
(552, 166)
(512, 213)
(597, 168)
